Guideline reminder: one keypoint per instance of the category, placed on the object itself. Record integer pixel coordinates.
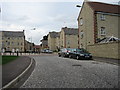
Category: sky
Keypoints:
(44, 15)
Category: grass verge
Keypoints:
(7, 59)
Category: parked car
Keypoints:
(49, 51)
(46, 51)
(64, 52)
(80, 54)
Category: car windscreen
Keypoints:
(82, 50)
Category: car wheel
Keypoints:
(64, 56)
(70, 56)
(77, 57)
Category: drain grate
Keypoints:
(77, 65)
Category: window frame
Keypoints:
(81, 21)
(81, 34)
(102, 31)
(102, 17)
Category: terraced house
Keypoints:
(53, 40)
(44, 41)
(69, 37)
(12, 41)
(97, 21)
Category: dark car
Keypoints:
(64, 52)
(80, 54)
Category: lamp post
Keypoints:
(78, 27)
(31, 39)
(78, 6)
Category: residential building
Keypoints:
(53, 41)
(29, 47)
(12, 41)
(58, 41)
(96, 21)
(37, 48)
(44, 42)
(69, 37)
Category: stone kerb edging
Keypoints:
(18, 78)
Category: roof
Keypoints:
(37, 46)
(109, 39)
(54, 34)
(104, 7)
(13, 33)
(70, 31)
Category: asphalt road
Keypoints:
(55, 72)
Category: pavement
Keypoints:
(107, 60)
(12, 70)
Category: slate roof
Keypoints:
(70, 31)
(13, 33)
(54, 34)
(104, 7)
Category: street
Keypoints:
(52, 71)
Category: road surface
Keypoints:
(56, 72)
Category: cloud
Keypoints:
(41, 0)
(35, 35)
(45, 16)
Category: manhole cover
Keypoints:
(77, 65)
(95, 63)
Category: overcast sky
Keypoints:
(18, 15)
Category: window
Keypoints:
(12, 43)
(102, 17)
(81, 34)
(81, 21)
(18, 43)
(8, 48)
(102, 31)
(3, 44)
(8, 43)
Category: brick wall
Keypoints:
(107, 50)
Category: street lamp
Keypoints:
(31, 39)
(78, 26)
(78, 6)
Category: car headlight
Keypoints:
(67, 53)
(81, 54)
